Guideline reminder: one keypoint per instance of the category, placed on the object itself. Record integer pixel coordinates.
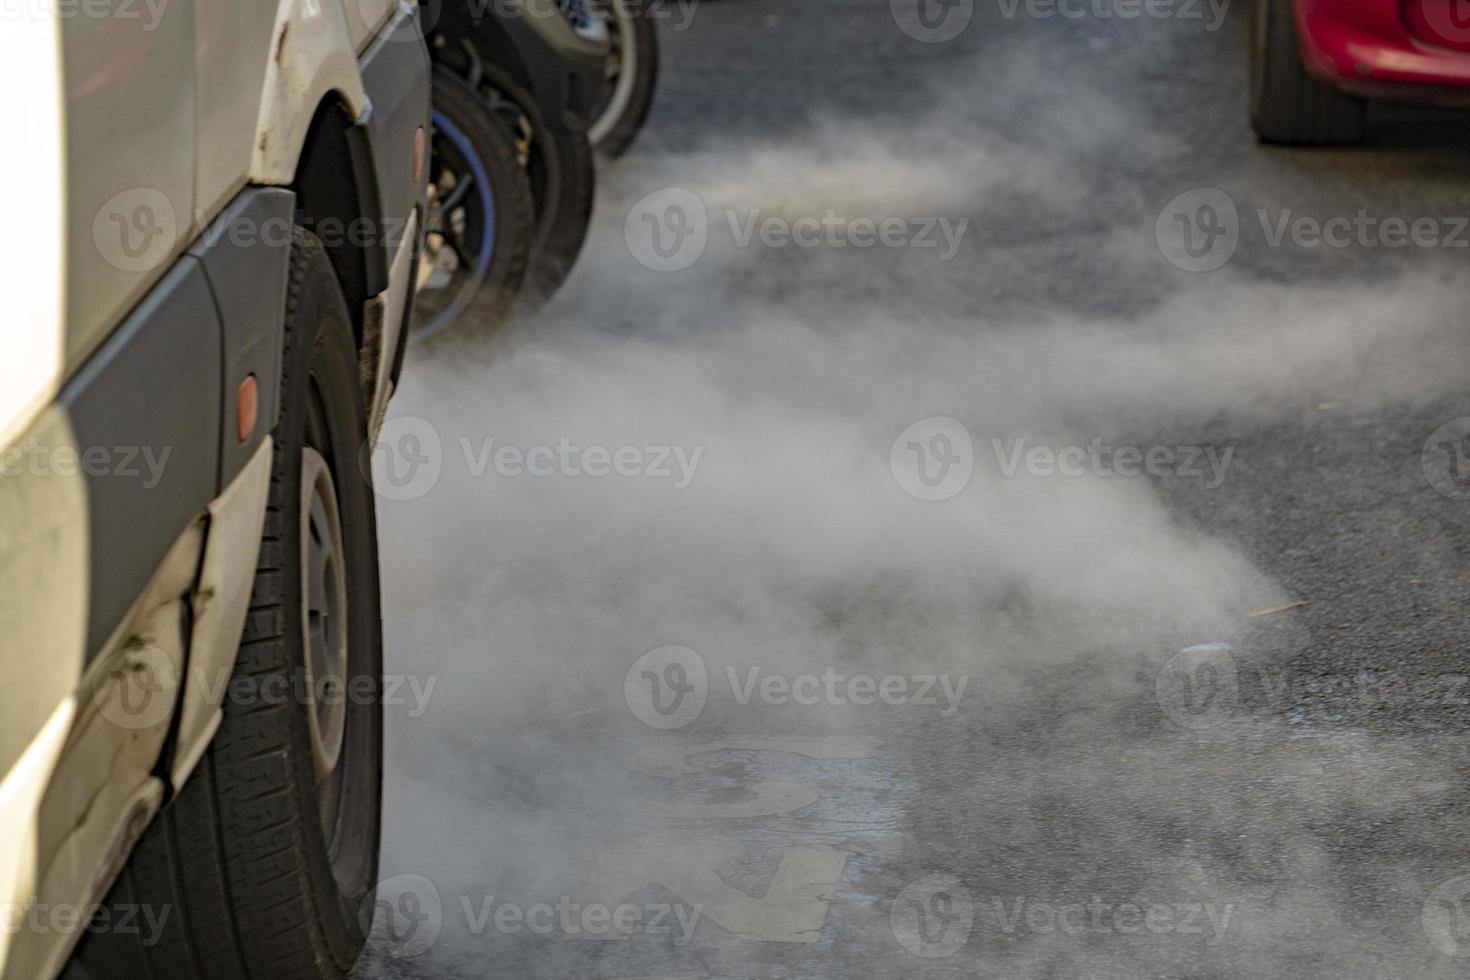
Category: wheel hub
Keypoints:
(324, 620)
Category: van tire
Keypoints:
(241, 858)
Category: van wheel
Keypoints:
(632, 77)
(563, 183)
(480, 224)
(1288, 105)
(558, 162)
(270, 851)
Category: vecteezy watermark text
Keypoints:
(140, 688)
(835, 230)
(135, 230)
(837, 688)
(1201, 230)
(1100, 459)
(408, 460)
(408, 913)
(934, 459)
(568, 459)
(1022, 914)
(935, 916)
(32, 457)
(669, 230)
(668, 687)
(145, 13)
(124, 919)
(1202, 686)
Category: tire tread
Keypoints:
(1290, 105)
(227, 855)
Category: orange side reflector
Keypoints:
(247, 408)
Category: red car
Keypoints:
(1316, 63)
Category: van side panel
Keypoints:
(32, 265)
(365, 18)
(129, 117)
(232, 48)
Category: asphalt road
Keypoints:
(752, 699)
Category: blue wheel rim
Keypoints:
(485, 252)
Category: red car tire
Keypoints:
(1287, 104)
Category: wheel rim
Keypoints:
(459, 239)
(324, 625)
(620, 77)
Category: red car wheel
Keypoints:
(1287, 104)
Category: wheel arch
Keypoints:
(336, 191)
(311, 58)
(309, 135)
